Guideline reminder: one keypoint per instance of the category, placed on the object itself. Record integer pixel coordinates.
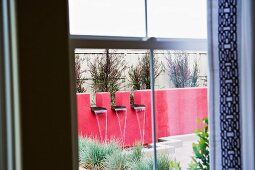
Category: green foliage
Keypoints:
(179, 72)
(194, 76)
(175, 165)
(143, 164)
(201, 149)
(136, 153)
(79, 73)
(139, 75)
(116, 161)
(93, 154)
(135, 77)
(107, 71)
(96, 156)
(164, 163)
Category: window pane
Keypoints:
(112, 104)
(177, 18)
(107, 17)
(181, 101)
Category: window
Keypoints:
(111, 44)
(108, 18)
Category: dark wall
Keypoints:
(45, 88)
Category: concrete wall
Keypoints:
(177, 112)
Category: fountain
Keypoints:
(101, 113)
(140, 108)
(118, 110)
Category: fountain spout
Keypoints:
(98, 110)
(138, 107)
(119, 108)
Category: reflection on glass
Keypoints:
(177, 18)
(107, 17)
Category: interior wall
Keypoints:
(45, 90)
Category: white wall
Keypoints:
(131, 57)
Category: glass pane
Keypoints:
(177, 18)
(107, 17)
(113, 103)
(181, 103)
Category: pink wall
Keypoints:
(177, 112)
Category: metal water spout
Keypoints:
(98, 110)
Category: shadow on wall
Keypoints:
(177, 112)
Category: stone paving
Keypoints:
(184, 153)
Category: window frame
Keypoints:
(85, 41)
(10, 133)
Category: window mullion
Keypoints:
(138, 43)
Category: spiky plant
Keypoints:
(163, 162)
(179, 72)
(107, 71)
(136, 152)
(194, 75)
(93, 154)
(139, 75)
(135, 77)
(139, 165)
(116, 161)
(80, 74)
(97, 156)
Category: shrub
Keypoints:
(175, 165)
(79, 72)
(163, 162)
(194, 75)
(139, 75)
(93, 154)
(139, 165)
(136, 153)
(96, 156)
(116, 161)
(84, 143)
(179, 72)
(107, 71)
(201, 149)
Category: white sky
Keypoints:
(166, 18)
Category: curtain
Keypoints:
(224, 74)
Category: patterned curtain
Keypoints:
(224, 52)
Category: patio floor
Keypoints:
(183, 154)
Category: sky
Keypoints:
(166, 18)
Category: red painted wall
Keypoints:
(177, 112)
